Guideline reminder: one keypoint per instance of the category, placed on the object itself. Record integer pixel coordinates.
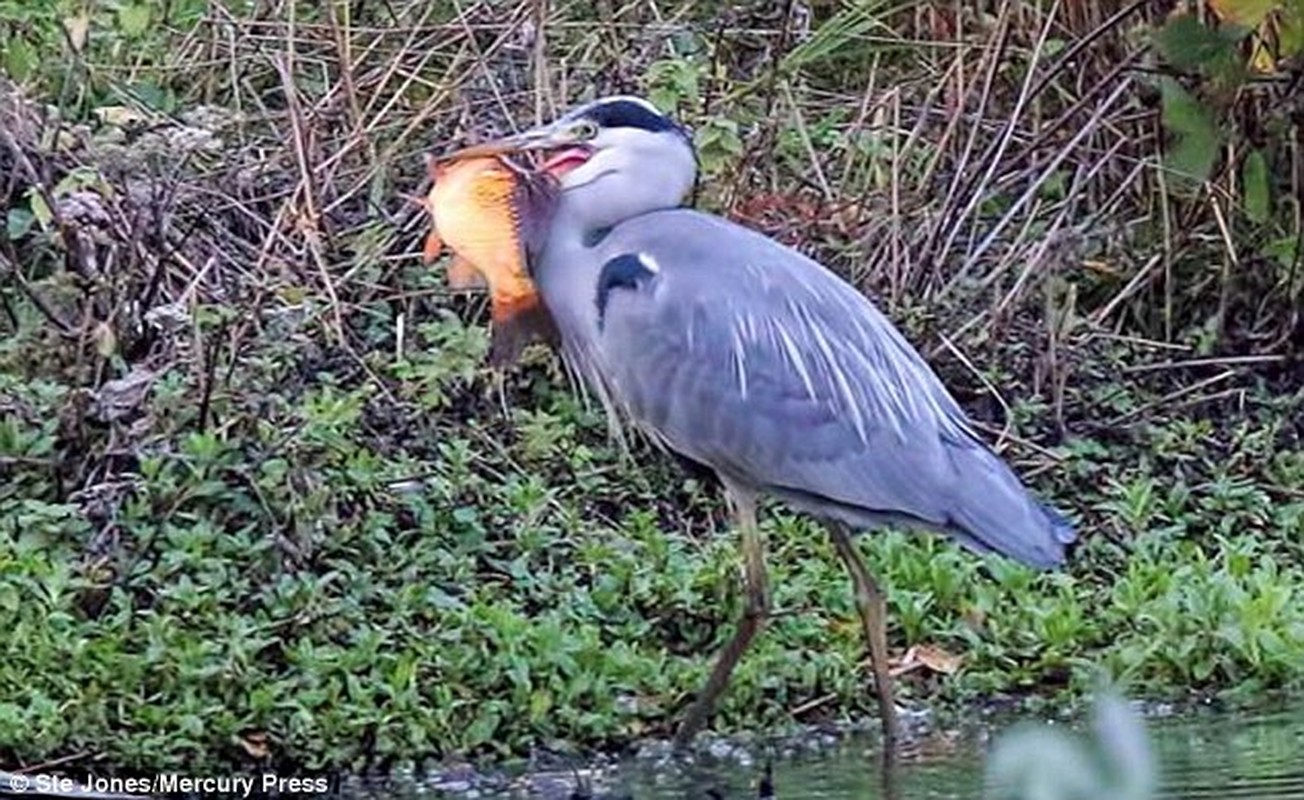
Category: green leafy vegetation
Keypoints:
(261, 500)
(360, 579)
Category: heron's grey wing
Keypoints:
(748, 357)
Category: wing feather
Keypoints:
(748, 357)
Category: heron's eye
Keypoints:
(584, 130)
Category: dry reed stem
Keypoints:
(950, 205)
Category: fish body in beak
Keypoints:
(493, 215)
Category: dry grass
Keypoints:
(991, 175)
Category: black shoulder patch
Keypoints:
(625, 271)
(629, 114)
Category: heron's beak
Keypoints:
(562, 151)
(548, 137)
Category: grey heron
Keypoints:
(747, 357)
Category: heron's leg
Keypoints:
(873, 617)
(754, 612)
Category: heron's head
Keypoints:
(615, 158)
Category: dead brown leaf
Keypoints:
(256, 744)
(927, 656)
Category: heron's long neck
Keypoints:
(567, 273)
(568, 233)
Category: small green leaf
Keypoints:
(155, 97)
(1190, 45)
(1254, 178)
(1290, 31)
(1193, 150)
(20, 58)
(40, 209)
(134, 20)
(18, 223)
(483, 728)
(540, 704)
(106, 341)
(78, 178)
(1249, 13)
(1055, 186)
(1283, 251)
(664, 97)
(706, 137)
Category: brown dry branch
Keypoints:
(989, 169)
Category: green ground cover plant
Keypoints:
(261, 500)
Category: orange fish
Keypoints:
(493, 216)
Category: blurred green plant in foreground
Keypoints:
(1038, 762)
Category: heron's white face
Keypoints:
(615, 158)
(621, 158)
(621, 151)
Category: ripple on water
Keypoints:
(1201, 755)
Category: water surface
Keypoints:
(1200, 755)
